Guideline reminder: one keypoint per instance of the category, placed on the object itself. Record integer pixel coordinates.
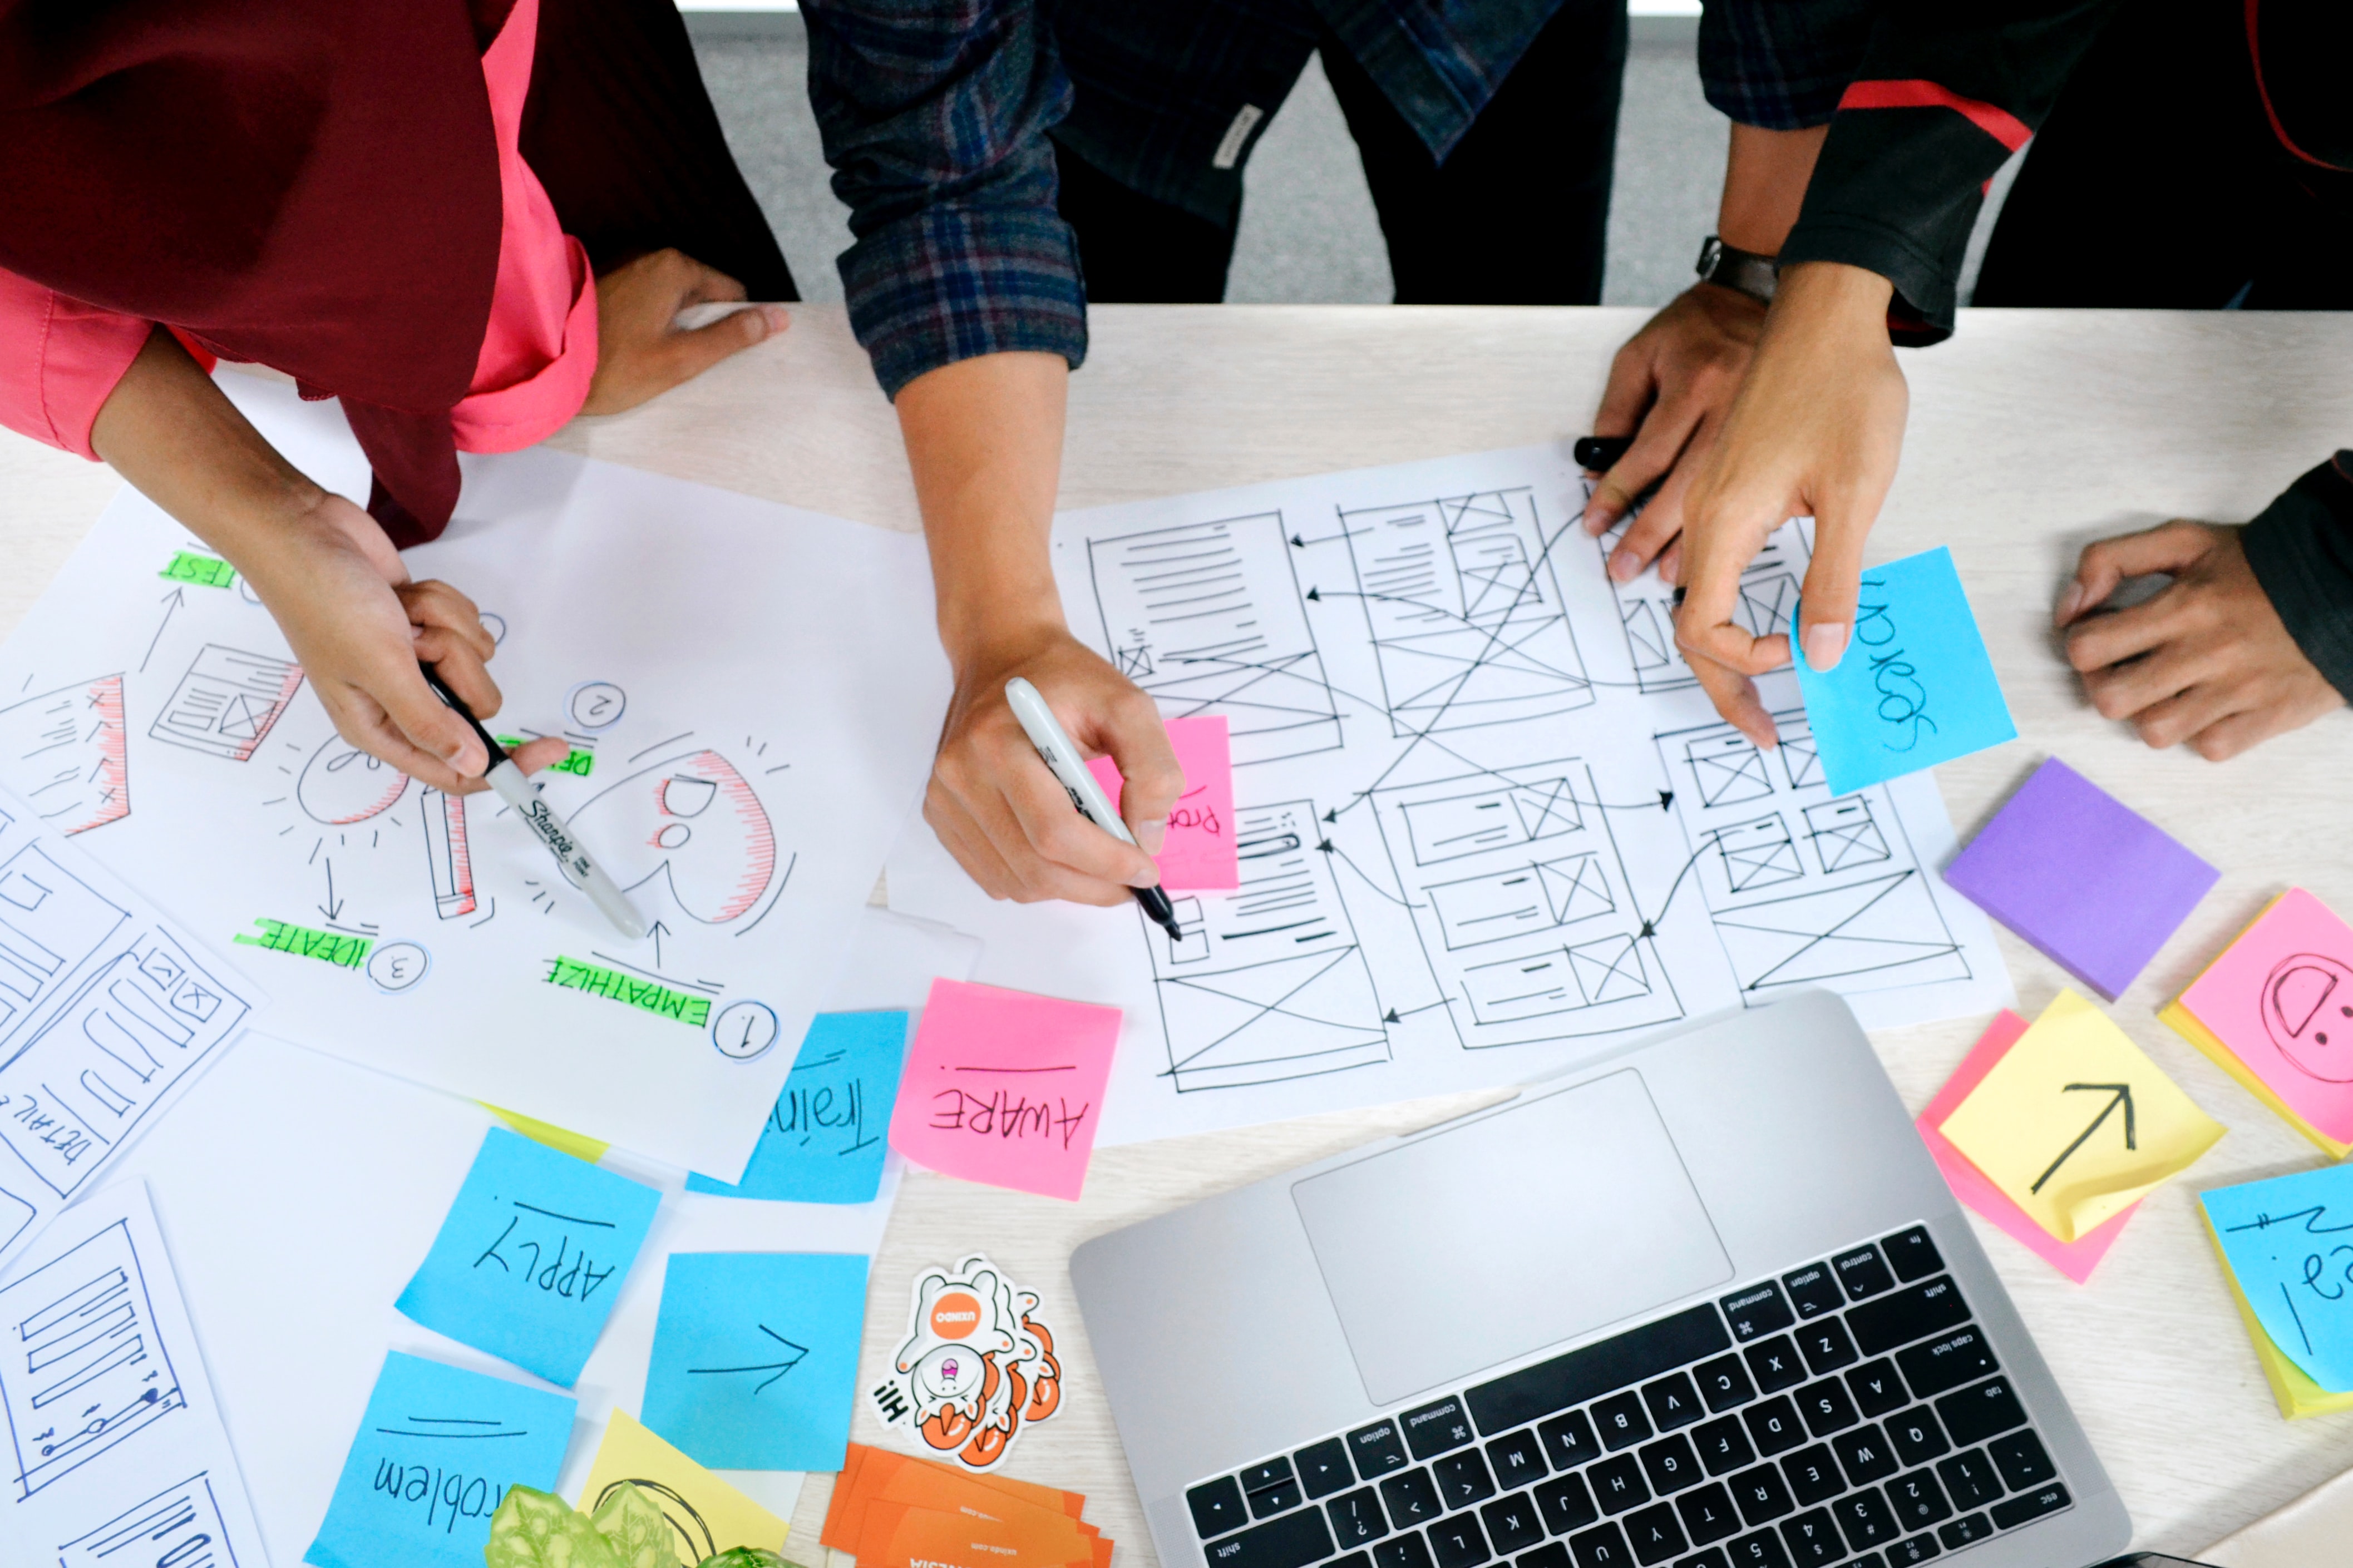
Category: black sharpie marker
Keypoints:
(1057, 751)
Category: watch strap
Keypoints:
(1744, 271)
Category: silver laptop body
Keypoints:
(1707, 1301)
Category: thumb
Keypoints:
(1150, 778)
(1826, 609)
(693, 352)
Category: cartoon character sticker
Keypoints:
(976, 1367)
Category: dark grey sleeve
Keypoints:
(2301, 547)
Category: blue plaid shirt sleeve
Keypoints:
(934, 115)
(1780, 65)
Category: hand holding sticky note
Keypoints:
(2076, 1124)
(1915, 687)
(2289, 1242)
(1198, 856)
(824, 1141)
(2275, 1011)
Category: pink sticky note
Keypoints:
(2281, 998)
(1199, 853)
(1005, 1088)
(2077, 1259)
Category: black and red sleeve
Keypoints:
(2301, 548)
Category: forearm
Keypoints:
(985, 440)
(1764, 175)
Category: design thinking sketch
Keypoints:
(70, 750)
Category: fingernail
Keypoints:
(1151, 835)
(1595, 523)
(1623, 566)
(1668, 567)
(2069, 602)
(1825, 642)
(775, 317)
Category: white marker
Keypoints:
(1057, 751)
(510, 785)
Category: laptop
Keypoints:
(1705, 1303)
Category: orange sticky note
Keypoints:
(1005, 1088)
(2276, 1011)
(1199, 856)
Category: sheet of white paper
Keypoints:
(751, 692)
(107, 1010)
(294, 1292)
(116, 1449)
(1451, 738)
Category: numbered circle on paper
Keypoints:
(496, 624)
(744, 1030)
(596, 704)
(395, 966)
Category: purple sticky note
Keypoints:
(2091, 882)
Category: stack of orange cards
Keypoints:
(894, 1510)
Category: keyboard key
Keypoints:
(1323, 1467)
(1274, 1499)
(1723, 1383)
(1863, 1272)
(1292, 1541)
(1377, 1449)
(2030, 1505)
(1673, 1402)
(1773, 1425)
(1458, 1542)
(1553, 1554)
(1813, 1475)
(1911, 1313)
(1948, 1362)
(1669, 1466)
(1761, 1495)
(1621, 1421)
(1826, 1407)
(1356, 1518)
(1970, 1478)
(1724, 1446)
(1912, 1255)
(1462, 1479)
(1812, 1291)
(1617, 1484)
(1916, 1435)
(1621, 1362)
(1866, 1519)
(1756, 1311)
(1603, 1546)
(1707, 1514)
(1410, 1499)
(1513, 1524)
(1516, 1458)
(1868, 1560)
(2021, 1460)
(1258, 1478)
(1827, 1346)
(1919, 1501)
(1762, 1550)
(1568, 1440)
(1865, 1455)
(1405, 1552)
(1353, 1560)
(1877, 1388)
(1216, 1506)
(1977, 1413)
(1655, 1534)
(1966, 1530)
(1776, 1365)
(1711, 1558)
(1919, 1549)
(1566, 1503)
(1814, 1540)
(1435, 1427)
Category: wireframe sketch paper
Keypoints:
(106, 1009)
(829, 1132)
(533, 1256)
(113, 1434)
(2276, 1011)
(1198, 855)
(750, 698)
(1487, 825)
(2289, 1240)
(1915, 687)
(754, 1361)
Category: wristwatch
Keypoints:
(1744, 271)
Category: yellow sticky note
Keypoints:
(2076, 1124)
(2297, 1396)
(706, 1515)
(572, 1143)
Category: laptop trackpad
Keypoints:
(1508, 1234)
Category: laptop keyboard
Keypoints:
(1846, 1415)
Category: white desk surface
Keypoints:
(2032, 433)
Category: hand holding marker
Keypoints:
(1056, 749)
(519, 792)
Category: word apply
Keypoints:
(529, 1260)
(2289, 1240)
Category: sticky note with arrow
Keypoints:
(2076, 1124)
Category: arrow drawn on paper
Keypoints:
(2120, 1094)
(171, 603)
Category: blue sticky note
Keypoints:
(531, 1259)
(2290, 1242)
(1915, 687)
(825, 1139)
(436, 1452)
(755, 1358)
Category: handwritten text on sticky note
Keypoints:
(1198, 856)
(754, 1361)
(2281, 998)
(824, 1137)
(2290, 1242)
(1005, 1087)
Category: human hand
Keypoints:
(1816, 429)
(1670, 388)
(641, 352)
(358, 624)
(1005, 816)
(2205, 661)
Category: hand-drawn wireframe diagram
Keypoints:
(227, 701)
(1803, 889)
(70, 752)
(1768, 594)
(179, 1527)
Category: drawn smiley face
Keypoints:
(2307, 1002)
